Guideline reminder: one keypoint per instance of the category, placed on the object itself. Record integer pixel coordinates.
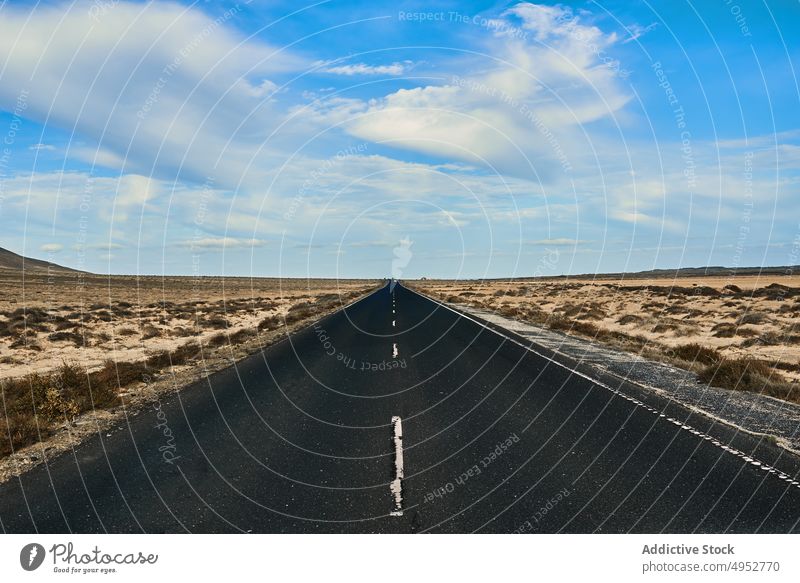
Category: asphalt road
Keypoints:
(495, 438)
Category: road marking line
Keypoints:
(392, 323)
(396, 486)
(394, 350)
(759, 465)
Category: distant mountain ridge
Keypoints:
(13, 261)
(709, 271)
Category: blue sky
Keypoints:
(501, 139)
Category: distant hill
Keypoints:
(710, 271)
(12, 261)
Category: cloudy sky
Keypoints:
(278, 138)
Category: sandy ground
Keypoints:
(126, 319)
(87, 320)
(740, 316)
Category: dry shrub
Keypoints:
(27, 341)
(180, 332)
(696, 353)
(751, 375)
(216, 340)
(102, 390)
(630, 319)
(328, 298)
(663, 327)
(752, 318)
(18, 430)
(103, 316)
(592, 314)
(56, 407)
(269, 323)
(216, 322)
(34, 404)
(75, 338)
(766, 339)
(509, 311)
(150, 331)
(297, 315)
(724, 330)
(177, 357)
(747, 332)
(561, 323)
(241, 336)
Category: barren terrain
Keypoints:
(74, 345)
(736, 332)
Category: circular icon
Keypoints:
(31, 556)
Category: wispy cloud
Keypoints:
(42, 147)
(559, 242)
(222, 243)
(364, 69)
(529, 107)
(189, 81)
(636, 31)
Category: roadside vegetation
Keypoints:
(739, 338)
(34, 406)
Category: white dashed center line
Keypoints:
(397, 484)
(392, 323)
(394, 350)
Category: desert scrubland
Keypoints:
(736, 332)
(75, 347)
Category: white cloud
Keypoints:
(51, 247)
(155, 88)
(637, 30)
(106, 246)
(42, 147)
(364, 69)
(96, 156)
(526, 110)
(223, 243)
(559, 242)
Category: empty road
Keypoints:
(399, 415)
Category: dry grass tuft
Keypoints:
(695, 353)
(751, 375)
